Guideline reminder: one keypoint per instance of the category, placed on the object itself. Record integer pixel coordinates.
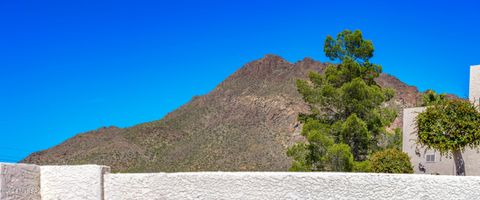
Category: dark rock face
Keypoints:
(246, 123)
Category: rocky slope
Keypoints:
(245, 123)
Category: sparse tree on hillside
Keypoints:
(448, 127)
(346, 108)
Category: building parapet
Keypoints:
(95, 182)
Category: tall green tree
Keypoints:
(450, 126)
(346, 108)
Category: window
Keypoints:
(430, 157)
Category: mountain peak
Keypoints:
(246, 123)
(308, 60)
(264, 68)
(272, 58)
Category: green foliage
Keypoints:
(355, 134)
(430, 97)
(350, 48)
(339, 158)
(449, 126)
(299, 154)
(321, 157)
(345, 107)
(348, 44)
(363, 166)
(390, 161)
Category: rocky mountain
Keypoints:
(246, 123)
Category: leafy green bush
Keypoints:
(391, 161)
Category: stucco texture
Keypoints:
(82, 182)
(285, 185)
(19, 182)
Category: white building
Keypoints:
(429, 161)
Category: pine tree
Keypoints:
(347, 115)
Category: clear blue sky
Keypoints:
(73, 66)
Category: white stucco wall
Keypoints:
(82, 182)
(19, 182)
(474, 88)
(286, 185)
(94, 182)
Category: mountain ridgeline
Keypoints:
(245, 124)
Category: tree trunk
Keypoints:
(459, 163)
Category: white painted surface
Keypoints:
(474, 89)
(19, 182)
(286, 185)
(82, 182)
(94, 182)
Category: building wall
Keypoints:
(418, 156)
(278, 185)
(94, 182)
(286, 185)
(474, 88)
(19, 182)
(74, 182)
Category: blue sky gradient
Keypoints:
(73, 66)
